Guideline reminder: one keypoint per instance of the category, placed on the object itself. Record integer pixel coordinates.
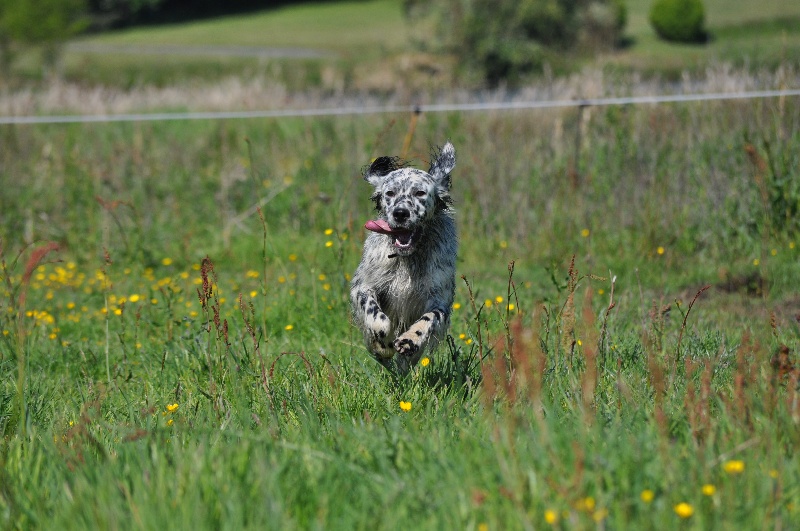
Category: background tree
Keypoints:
(504, 40)
(44, 23)
(679, 20)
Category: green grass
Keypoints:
(760, 34)
(372, 39)
(377, 24)
(282, 420)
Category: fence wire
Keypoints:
(388, 109)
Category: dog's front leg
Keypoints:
(376, 327)
(412, 342)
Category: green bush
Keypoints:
(504, 40)
(679, 20)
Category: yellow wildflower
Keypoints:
(647, 495)
(172, 408)
(328, 243)
(166, 261)
(405, 406)
(328, 232)
(734, 466)
(585, 233)
(425, 361)
(709, 489)
(456, 305)
(550, 516)
(660, 250)
(288, 327)
(684, 510)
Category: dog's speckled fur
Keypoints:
(403, 289)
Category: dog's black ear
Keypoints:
(380, 168)
(443, 162)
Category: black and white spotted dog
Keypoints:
(404, 286)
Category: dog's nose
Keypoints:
(400, 214)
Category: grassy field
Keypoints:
(380, 50)
(175, 343)
(183, 359)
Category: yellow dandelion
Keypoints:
(462, 336)
(153, 301)
(600, 515)
(328, 243)
(70, 305)
(585, 233)
(166, 261)
(172, 407)
(734, 466)
(456, 305)
(791, 245)
(580, 343)
(288, 327)
(326, 287)
(773, 474)
(550, 516)
(774, 252)
(170, 422)
(252, 273)
(488, 303)
(328, 232)
(468, 341)
(503, 244)
(601, 291)
(134, 298)
(118, 311)
(684, 510)
(647, 495)
(660, 250)
(253, 294)
(498, 299)
(405, 406)
(585, 504)
(322, 277)
(425, 361)
(756, 261)
(510, 306)
(483, 526)
(708, 489)
(292, 257)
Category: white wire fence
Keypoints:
(388, 109)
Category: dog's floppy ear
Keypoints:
(380, 168)
(444, 160)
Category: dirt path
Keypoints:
(216, 51)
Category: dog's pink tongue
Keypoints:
(378, 225)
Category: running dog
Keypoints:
(402, 291)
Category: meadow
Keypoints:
(176, 349)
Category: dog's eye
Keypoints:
(420, 193)
(390, 193)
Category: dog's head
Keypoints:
(408, 198)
